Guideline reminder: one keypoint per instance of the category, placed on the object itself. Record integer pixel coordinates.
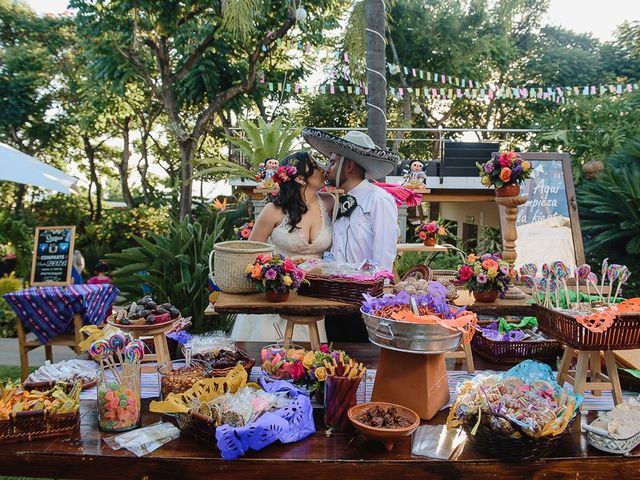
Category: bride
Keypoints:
(295, 221)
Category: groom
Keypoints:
(365, 218)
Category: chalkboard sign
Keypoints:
(52, 256)
(547, 224)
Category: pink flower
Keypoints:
(245, 233)
(505, 159)
(288, 265)
(324, 348)
(271, 274)
(465, 272)
(431, 227)
(297, 371)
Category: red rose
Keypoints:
(505, 159)
(465, 273)
(297, 371)
(288, 265)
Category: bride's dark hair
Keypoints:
(289, 197)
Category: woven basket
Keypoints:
(624, 334)
(341, 289)
(515, 352)
(228, 261)
(36, 425)
(198, 427)
(507, 448)
(441, 275)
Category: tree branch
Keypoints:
(195, 56)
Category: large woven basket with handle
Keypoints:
(228, 261)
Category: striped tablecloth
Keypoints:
(49, 311)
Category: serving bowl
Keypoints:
(385, 435)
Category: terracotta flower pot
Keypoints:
(276, 297)
(508, 191)
(429, 241)
(486, 297)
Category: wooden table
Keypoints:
(297, 310)
(338, 455)
(501, 307)
(420, 247)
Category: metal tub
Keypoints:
(410, 337)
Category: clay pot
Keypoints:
(508, 191)
(429, 241)
(388, 436)
(276, 297)
(486, 297)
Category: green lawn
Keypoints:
(10, 371)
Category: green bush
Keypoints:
(8, 284)
(172, 266)
(610, 213)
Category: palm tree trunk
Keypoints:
(374, 15)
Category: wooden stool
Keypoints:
(311, 321)
(463, 353)
(71, 340)
(161, 355)
(589, 366)
(413, 380)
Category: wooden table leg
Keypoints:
(312, 325)
(288, 332)
(612, 373)
(581, 372)
(594, 368)
(162, 350)
(468, 355)
(565, 364)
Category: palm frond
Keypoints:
(238, 17)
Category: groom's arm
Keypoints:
(384, 219)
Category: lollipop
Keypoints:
(117, 344)
(134, 352)
(100, 349)
(623, 276)
(561, 272)
(592, 279)
(603, 272)
(613, 274)
(529, 269)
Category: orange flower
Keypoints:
(442, 231)
(505, 174)
(488, 264)
(256, 272)
(472, 258)
(422, 235)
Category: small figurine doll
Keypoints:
(266, 171)
(416, 177)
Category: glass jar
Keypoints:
(119, 397)
(179, 378)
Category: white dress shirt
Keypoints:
(371, 231)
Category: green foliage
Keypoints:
(8, 284)
(17, 236)
(174, 265)
(490, 240)
(610, 211)
(264, 140)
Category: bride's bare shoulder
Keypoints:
(327, 200)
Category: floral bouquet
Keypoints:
(303, 368)
(275, 273)
(487, 273)
(504, 169)
(430, 232)
(243, 232)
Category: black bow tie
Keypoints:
(346, 205)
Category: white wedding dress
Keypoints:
(262, 328)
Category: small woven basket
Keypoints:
(341, 289)
(228, 261)
(506, 447)
(198, 427)
(442, 275)
(36, 425)
(515, 352)
(601, 440)
(624, 334)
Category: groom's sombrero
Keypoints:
(356, 146)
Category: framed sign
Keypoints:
(547, 224)
(52, 255)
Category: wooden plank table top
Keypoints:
(419, 247)
(295, 305)
(322, 455)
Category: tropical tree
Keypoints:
(196, 57)
(264, 140)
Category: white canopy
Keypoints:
(19, 167)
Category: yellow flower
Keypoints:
(492, 273)
(441, 230)
(308, 359)
(321, 373)
(486, 181)
(525, 165)
(287, 280)
(248, 269)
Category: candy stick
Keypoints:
(613, 274)
(593, 279)
(624, 276)
(603, 272)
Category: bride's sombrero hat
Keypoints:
(356, 146)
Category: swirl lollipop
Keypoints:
(546, 271)
(592, 279)
(562, 273)
(603, 273)
(623, 276)
(117, 344)
(529, 269)
(100, 349)
(134, 352)
(581, 272)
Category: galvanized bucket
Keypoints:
(410, 337)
